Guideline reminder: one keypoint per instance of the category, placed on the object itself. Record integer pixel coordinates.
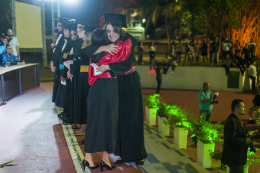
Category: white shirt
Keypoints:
(252, 70)
(14, 43)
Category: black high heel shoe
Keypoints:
(86, 164)
(103, 164)
(140, 162)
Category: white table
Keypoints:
(16, 79)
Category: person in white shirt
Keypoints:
(252, 74)
(14, 43)
(225, 48)
(252, 46)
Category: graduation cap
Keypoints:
(89, 27)
(64, 20)
(73, 26)
(114, 17)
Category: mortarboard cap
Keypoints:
(91, 29)
(63, 20)
(114, 17)
(73, 26)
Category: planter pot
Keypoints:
(163, 128)
(245, 169)
(151, 115)
(180, 137)
(203, 154)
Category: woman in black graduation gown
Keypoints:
(81, 44)
(130, 134)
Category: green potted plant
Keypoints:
(182, 123)
(151, 107)
(164, 118)
(207, 133)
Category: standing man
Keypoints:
(205, 99)
(252, 46)
(179, 50)
(252, 73)
(225, 48)
(237, 49)
(159, 71)
(14, 43)
(214, 47)
(236, 142)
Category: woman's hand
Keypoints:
(111, 49)
(63, 79)
(69, 62)
(103, 68)
(65, 55)
(69, 76)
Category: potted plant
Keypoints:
(182, 122)
(164, 118)
(207, 133)
(151, 107)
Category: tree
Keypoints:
(154, 10)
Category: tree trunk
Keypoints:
(192, 30)
(168, 34)
(221, 24)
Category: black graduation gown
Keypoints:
(130, 133)
(69, 85)
(61, 92)
(101, 131)
(55, 59)
(81, 109)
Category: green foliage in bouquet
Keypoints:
(207, 132)
(152, 101)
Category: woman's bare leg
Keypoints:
(105, 158)
(88, 157)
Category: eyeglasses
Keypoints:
(59, 25)
(79, 27)
(74, 34)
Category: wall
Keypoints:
(192, 78)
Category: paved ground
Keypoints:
(32, 135)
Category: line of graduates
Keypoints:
(107, 108)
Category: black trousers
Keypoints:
(236, 168)
(253, 82)
(140, 59)
(159, 83)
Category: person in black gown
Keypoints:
(130, 134)
(101, 132)
(55, 61)
(61, 92)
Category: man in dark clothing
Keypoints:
(236, 142)
(256, 109)
(214, 47)
(159, 71)
(242, 64)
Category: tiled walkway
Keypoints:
(165, 157)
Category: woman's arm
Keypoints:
(120, 68)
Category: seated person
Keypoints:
(8, 56)
(226, 64)
(234, 62)
(242, 64)
(256, 109)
